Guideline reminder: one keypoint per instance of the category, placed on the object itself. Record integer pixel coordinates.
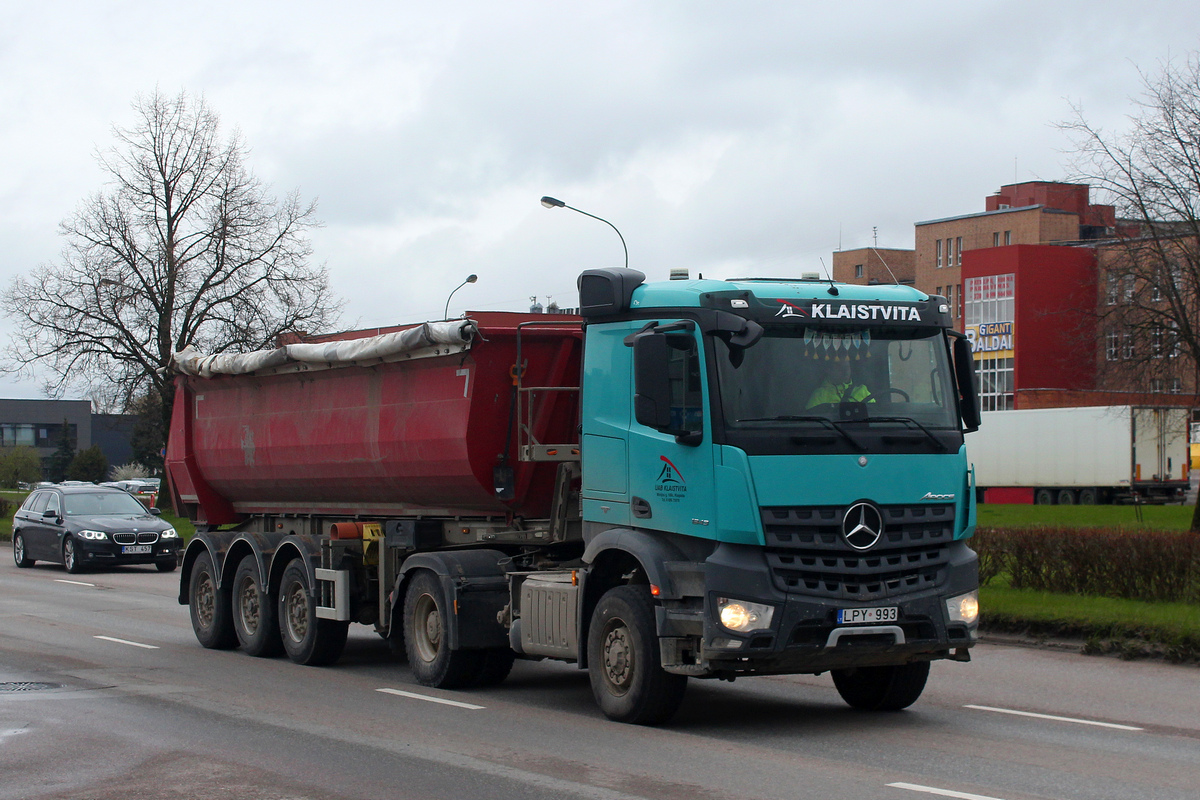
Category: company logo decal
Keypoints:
(670, 486)
(932, 496)
(862, 526)
(786, 309)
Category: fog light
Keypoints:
(964, 608)
(743, 616)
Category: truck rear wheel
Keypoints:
(254, 612)
(624, 663)
(208, 605)
(433, 662)
(882, 688)
(306, 639)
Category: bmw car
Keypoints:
(88, 526)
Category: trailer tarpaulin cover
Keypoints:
(430, 334)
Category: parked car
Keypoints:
(90, 526)
(141, 489)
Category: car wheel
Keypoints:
(307, 639)
(19, 555)
(433, 662)
(254, 612)
(70, 556)
(208, 605)
(881, 688)
(624, 664)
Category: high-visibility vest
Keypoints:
(829, 393)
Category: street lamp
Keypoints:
(551, 202)
(470, 279)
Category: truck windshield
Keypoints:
(841, 383)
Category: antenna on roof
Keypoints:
(829, 277)
(885, 265)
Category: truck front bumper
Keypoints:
(804, 635)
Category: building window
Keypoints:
(937, 245)
(1156, 385)
(1156, 342)
(1008, 237)
(1112, 345)
(1129, 289)
(950, 298)
(1127, 348)
(949, 252)
(1111, 290)
(995, 384)
(858, 270)
(958, 252)
(996, 239)
(18, 434)
(1176, 386)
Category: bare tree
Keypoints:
(184, 245)
(1150, 271)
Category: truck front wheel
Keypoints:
(208, 605)
(882, 688)
(307, 639)
(624, 664)
(433, 662)
(254, 612)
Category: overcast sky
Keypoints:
(748, 138)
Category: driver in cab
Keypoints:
(839, 386)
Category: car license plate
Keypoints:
(857, 616)
(136, 549)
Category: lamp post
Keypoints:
(470, 279)
(551, 202)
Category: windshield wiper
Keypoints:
(908, 421)
(828, 423)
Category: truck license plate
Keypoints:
(856, 616)
(136, 549)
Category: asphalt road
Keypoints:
(132, 707)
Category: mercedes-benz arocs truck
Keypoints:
(690, 479)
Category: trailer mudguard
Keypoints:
(475, 583)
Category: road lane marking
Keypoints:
(1113, 725)
(74, 583)
(913, 787)
(126, 641)
(415, 696)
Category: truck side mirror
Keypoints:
(968, 387)
(651, 381)
(666, 378)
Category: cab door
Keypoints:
(670, 440)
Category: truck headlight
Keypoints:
(964, 608)
(93, 535)
(169, 533)
(743, 616)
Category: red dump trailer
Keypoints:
(424, 431)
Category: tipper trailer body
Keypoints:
(647, 491)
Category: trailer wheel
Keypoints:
(624, 663)
(208, 605)
(881, 688)
(1066, 497)
(1087, 497)
(433, 662)
(306, 639)
(1043, 497)
(254, 612)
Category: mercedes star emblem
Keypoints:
(862, 526)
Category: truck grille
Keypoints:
(807, 554)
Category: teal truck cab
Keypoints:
(690, 479)
(786, 463)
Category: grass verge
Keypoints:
(1158, 518)
(1128, 628)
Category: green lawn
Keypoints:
(1163, 518)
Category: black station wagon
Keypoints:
(90, 526)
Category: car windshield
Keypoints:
(815, 376)
(116, 503)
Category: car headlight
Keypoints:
(964, 608)
(743, 616)
(93, 535)
(169, 533)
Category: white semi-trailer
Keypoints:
(1095, 454)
